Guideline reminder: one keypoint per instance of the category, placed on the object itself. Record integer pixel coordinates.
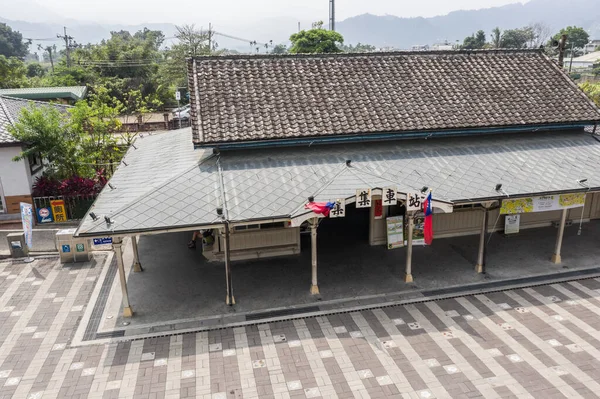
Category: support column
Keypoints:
(137, 266)
(229, 300)
(408, 278)
(314, 287)
(480, 266)
(559, 237)
(117, 246)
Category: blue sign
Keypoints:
(103, 240)
(66, 248)
(44, 215)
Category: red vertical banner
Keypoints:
(378, 208)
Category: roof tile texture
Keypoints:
(273, 97)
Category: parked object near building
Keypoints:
(369, 136)
(16, 178)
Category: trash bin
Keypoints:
(17, 246)
(72, 249)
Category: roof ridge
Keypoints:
(147, 193)
(370, 54)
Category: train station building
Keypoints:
(502, 140)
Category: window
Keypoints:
(277, 225)
(35, 163)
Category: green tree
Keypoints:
(11, 43)
(192, 42)
(45, 132)
(475, 41)
(280, 49)
(35, 69)
(359, 48)
(496, 38)
(576, 36)
(517, 38)
(316, 40)
(13, 73)
(592, 90)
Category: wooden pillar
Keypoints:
(559, 237)
(408, 278)
(480, 266)
(314, 287)
(229, 300)
(117, 246)
(137, 266)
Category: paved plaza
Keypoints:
(538, 342)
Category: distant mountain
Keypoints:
(384, 31)
(381, 31)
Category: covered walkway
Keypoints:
(178, 284)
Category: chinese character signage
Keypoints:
(414, 202)
(339, 209)
(44, 215)
(389, 196)
(542, 204)
(395, 232)
(27, 220)
(58, 209)
(102, 241)
(363, 198)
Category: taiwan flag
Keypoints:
(428, 225)
(321, 208)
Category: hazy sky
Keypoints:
(233, 11)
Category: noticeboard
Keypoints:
(395, 231)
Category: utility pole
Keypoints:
(571, 63)
(331, 14)
(68, 45)
(210, 34)
(561, 50)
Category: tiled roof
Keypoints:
(10, 108)
(252, 98)
(166, 184)
(46, 93)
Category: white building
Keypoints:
(591, 46)
(16, 178)
(583, 62)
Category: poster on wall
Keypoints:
(542, 204)
(377, 209)
(395, 231)
(418, 237)
(511, 224)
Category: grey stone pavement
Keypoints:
(539, 342)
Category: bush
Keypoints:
(48, 186)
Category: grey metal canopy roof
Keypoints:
(167, 184)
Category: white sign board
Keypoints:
(511, 224)
(389, 196)
(177, 95)
(339, 209)
(363, 198)
(395, 231)
(414, 201)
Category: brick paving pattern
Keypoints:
(540, 342)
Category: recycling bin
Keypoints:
(17, 246)
(72, 249)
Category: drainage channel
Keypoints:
(279, 315)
